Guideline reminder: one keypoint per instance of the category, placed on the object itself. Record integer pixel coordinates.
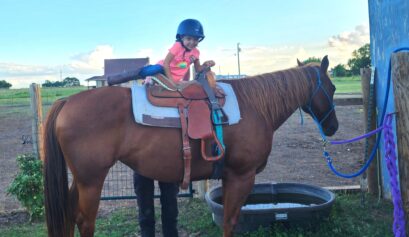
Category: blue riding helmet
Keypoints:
(190, 27)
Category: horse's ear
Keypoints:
(324, 63)
(300, 64)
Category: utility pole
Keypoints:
(238, 57)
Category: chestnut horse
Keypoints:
(94, 129)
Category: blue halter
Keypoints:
(308, 107)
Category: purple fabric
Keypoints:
(390, 157)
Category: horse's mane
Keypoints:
(274, 94)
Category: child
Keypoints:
(182, 54)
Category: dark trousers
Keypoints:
(144, 190)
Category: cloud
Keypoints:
(356, 38)
(91, 62)
(14, 69)
(82, 66)
(21, 76)
(261, 59)
(258, 59)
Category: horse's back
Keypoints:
(92, 123)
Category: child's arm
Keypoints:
(169, 57)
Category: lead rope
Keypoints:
(390, 157)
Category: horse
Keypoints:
(92, 130)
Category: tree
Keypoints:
(71, 81)
(48, 83)
(5, 84)
(361, 59)
(340, 71)
(312, 60)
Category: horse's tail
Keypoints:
(57, 206)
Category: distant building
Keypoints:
(112, 66)
(223, 77)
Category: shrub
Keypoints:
(28, 186)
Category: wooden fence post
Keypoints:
(37, 122)
(369, 180)
(400, 75)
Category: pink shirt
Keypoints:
(181, 61)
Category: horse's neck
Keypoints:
(279, 100)
(292, 105)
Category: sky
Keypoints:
(50, 40)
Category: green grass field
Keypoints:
(349, 217)
(347, 84)
(18, 97)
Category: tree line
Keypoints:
(361, 58)
(67, 82)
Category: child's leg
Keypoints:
(151, 70)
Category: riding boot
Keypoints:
(168, 199)
(144, 190)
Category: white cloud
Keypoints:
(91, 62)
(258, 59)
(347, 39)
(82, 66)
(21, 76)
(13, 69)
(261, 59)
(343, 44)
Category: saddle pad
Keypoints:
(147, 114)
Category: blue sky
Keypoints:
(43, 40)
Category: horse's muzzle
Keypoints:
(331, 129)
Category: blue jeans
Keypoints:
(151, 70)
(144, 190)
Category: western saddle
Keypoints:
(196, 108)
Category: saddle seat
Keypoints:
(193, 104)
(183, 94)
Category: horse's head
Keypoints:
(320, 104)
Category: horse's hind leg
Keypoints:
(87, 207)
(236, 188)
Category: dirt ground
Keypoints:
(296, 154)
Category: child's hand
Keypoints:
(209, 63)
(148, 81)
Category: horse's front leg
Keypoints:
(236, 188)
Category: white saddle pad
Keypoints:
(147, 114)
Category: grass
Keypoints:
(348, 218)
(18, 97)
(347, 84)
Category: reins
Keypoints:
(380, 128)
(390, 153)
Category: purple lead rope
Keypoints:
(390, 157)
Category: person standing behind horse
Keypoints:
(176, 67)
